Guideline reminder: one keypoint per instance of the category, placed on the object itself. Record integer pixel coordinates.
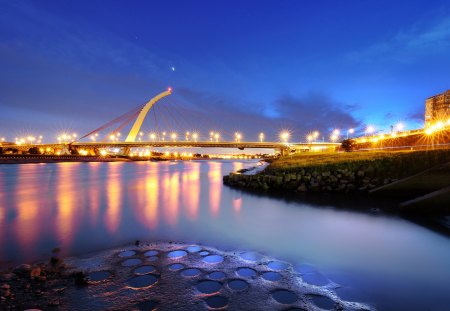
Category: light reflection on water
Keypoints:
(83, 207)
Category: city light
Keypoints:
(173, 136)
(370, 129)
(284, 136)
(350, 131)
(217, 137)
(237, 136)
(315, 134)
(399, 126)
(261, 137)
(152, 136)
(195, 136)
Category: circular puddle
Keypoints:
(131, 262)
(351, 294)
(142, 281)
(323, 302)
(191, 272)
(315, 279)
(144, 270)
(152, 258)
(271, 276)
(246, 272)
(208, 287)
(204, 253)
(147, 305)
(193, 249)
(217, 275)
(278, 265)
(127, 253)
(237, 284)
(213, 259)
(98, 276)
(176, 266)
(284, 296)
(177, 254)
(216, 302)
(151, 252)
(251, 256)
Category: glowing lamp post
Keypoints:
(195, 136)
(369, 130)
(173, 136)
(350, 131)
(285, 136)
(261, 137)
(237, 137)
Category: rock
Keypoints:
(326, 174)
(24, 268)
(360, 173)
(302, 188)
(6, 286)
(8, 276)
(351, 187)
(35, 272)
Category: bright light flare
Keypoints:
(284, 136)
(370, 129)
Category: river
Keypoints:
(84, 207)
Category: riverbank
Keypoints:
(172, 276)
(350, 174)
(24, 159)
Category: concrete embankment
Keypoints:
(22, 159)
(346, 173)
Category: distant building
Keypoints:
(437, 108)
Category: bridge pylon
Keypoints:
(140, 119)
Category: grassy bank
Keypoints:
(354, 172)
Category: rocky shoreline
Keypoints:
(306, 180)
(353, 174)
(172, 276)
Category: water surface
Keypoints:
(84, 207)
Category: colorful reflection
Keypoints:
(94, 193)
(69, 204)
(150, 207)
(191, 189)
(27, 210)
(215, 186)
(114, 197)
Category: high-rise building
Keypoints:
(437, 108)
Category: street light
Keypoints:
(351, 131)
(369, 129)
(261, 137)
(194, 136)
(285, 136)
(237, 136)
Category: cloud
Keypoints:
(314, 111)
(419, 40)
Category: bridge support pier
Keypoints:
(285, 151)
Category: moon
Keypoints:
(172, 68)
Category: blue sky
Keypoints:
(246, 66)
